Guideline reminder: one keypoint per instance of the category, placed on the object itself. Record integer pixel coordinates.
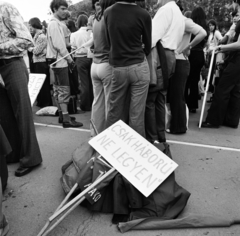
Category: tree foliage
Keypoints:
(215, 9)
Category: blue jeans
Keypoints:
(132, 81)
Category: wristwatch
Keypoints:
(220, 48)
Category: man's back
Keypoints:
(168, 26)
(128, 27)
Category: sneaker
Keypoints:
(71, 124)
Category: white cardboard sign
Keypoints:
(34, 85)
(140, 162)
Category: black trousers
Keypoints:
(196, 60)
(155, 106)
(225, 107)
(176, 96)
(44, 98)
(86, 88)
(15, 77)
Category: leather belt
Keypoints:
(4, 62)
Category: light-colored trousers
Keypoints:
(102, 75)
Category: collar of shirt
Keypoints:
(83, 28)
(127, 3)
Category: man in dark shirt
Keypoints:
(128, 29)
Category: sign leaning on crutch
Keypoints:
(206, 89)
(119, 145)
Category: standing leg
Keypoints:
(117, 97)
(15, 77)
(176, 95)
(140, 78)
(223, 95)
(44, 97)
(196, 61)
(233, 110)
(150, 115)
(86, 96)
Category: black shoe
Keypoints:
(60, 119)
(208, 125)
(21, 171)
(231, 126)
(71, 124)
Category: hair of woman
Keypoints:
(104, 5)
(199, 17)
(214, 23)
(55, 4)
(35, 23)
(71, 26)
(82, 20)
(234, 13)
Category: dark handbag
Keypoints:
(50, 60)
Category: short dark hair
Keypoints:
(35, 23)
(234, 13)
(55, 4)
(82, 20)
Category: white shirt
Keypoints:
(168, 26)
(214, 39)
(78, 38)
(190, 28)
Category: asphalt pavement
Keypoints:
(209, 168)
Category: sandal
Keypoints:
(4, 226)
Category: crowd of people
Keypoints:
(120, 66)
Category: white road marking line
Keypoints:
(169, 141)
(204, 145)
(60, 127)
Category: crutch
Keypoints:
(72, 204)
(206, 90)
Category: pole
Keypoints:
(56, 214)
(206, 90)
(65, 56)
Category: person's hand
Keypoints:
(71, 66)
(30, 49)
(186, 51)
(217, 49)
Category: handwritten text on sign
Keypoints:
(141, 163)
(34, 85)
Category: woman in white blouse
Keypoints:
(213, 40)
